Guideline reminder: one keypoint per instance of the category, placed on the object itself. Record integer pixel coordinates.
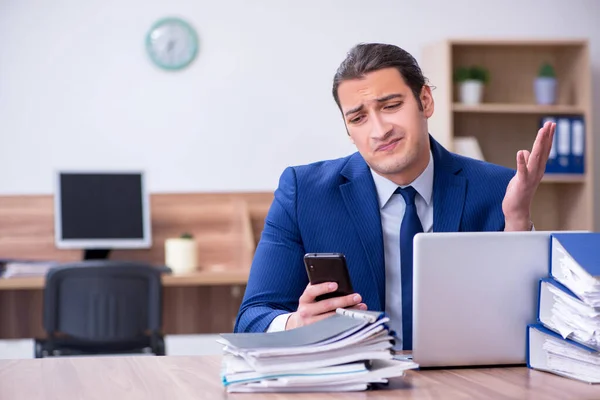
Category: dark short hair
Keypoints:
(368, 57)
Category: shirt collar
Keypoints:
(423, 184)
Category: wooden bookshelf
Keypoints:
(507, 108)
(508, 118)
(563, 178)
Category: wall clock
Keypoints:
(172, 43)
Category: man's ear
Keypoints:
(427, 101)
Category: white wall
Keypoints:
(78, 91)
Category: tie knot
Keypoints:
(408, 193)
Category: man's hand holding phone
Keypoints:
(310, 310)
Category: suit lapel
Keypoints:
(360, 198)
(449, 190)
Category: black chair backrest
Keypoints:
(107, 301)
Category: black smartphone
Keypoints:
(329, 267)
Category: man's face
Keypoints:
(385, 123)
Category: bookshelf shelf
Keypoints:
(507, 108)
(564, 178)
(508, 119)
(514, 42)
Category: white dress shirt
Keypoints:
(392, 208)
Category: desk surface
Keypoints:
(200, 278)
(183, 377)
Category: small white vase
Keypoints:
(181, 255)
(545, 90)
(471, 92)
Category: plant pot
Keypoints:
(181, 255)
(471, 92)
(545, 90)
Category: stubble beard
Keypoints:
(395, 164)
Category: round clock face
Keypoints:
(172, 43)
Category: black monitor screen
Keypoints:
(101, 206)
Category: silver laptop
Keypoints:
(474, 294)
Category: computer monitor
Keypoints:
(101, 211)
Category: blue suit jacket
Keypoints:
(332, 206)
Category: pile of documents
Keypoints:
(25, 268)
(566, 341)
(349, 351)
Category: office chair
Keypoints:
(102, 307)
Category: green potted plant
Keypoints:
(471, 81)
(544, 85)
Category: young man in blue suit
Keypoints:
(370, 204)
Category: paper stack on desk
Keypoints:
(346, 352)
(566, 341)
(25, 268)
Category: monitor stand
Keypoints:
(96, 254)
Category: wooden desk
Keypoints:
(200, 278)
(200, 302)
(196, 378)
(227, 227)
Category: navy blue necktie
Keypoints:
(411, 225)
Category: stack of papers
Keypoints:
(566, 339)
(573, 275)
(349, 351)
(573, 360)
(570, 299)
(23, 269)
(562, 312)
(550, 352)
